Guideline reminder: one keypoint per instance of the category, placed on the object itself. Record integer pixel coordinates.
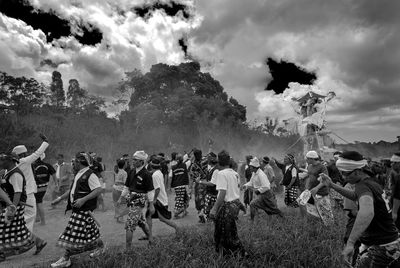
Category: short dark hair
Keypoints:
(352, 155)
(121, 163)
(173, 155)
(197, 154)
(224, 159)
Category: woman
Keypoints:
(118, 187)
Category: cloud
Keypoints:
(351, 45)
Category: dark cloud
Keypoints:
(183, 44)
(52, 25)
(171, 9)
(283, 73)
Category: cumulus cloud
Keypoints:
(351, 45)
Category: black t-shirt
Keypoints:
(395, 184)
(42, 172)
(140, 182)
(382, 229)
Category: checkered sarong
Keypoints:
(15, 237)
(181, 199)
(81, 234)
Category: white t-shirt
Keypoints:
(17, 181)
(228, 179)
(93, 181)
(158, 183)
(214, 177)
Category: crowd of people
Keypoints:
(368, 192)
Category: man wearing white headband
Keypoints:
(138, 191)
(373, 226)
(394, 176)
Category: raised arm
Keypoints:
(30, 159)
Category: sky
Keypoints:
(351, 45)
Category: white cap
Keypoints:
(20, 149)
(254, 162)
(312, 154)
(141, 155)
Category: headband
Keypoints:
(348, 165)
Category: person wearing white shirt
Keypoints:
(25, 165)
(160, 195)
(226, 209)
(259, 183)
(82, 232)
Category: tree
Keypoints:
(75, 95)
(56, 87)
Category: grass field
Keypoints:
(272, 242)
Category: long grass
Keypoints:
(272, 242)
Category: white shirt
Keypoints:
(25, 165)
(93, 181)
(58, 169)
(17, 181)
(158, 183)
(259, 181)
(228, 180)
(214, 177)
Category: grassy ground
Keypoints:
(272, 242)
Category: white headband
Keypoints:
(348, 165)
(395, 158)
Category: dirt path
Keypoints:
(112, 232)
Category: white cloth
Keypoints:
(395, 158)
(254, 162)
(120, 180)
(58, 168)
(312, 154)
(141, 155)
(158, 183)
(347, 165)
(93, 181)
(259, 181)
(228, 180)
(17, 181)
(25, 165)
(214, 177)
(30, 211)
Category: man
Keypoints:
(248, 194)
(320, 200)
(180, 183)
(197, 173)
(98, 168)
(25, 165)
(82, 231)
(226, 209)
(43, 172)
(395, 187)
(160, 195)
(64, 177)
(261, 186)
(210, 183)
(15, 237)
(138, 191)
(269, 171)
(373, 226)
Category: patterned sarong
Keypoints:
(225, 234)
(291, 194)
(81, 234)
(210, 201)
(181, 199)
(136, 204)
(199, 195)
(15, 237)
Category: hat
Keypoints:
(140, 155)
(155, 163)
(254, 162)
(266, 159)
(20, 149)
(312, 155)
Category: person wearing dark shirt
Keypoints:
(248, 193)
(210, 182)
(42, 172)
(98, 169)
(138, 190)
(395, 187)
(180, 182)
(373, 226)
